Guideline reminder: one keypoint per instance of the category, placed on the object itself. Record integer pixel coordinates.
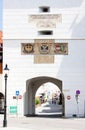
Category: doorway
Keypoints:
(32, 86)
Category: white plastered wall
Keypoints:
(68, 68)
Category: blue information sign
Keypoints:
(17, 93)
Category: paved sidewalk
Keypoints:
(42, 123)
(14, 128)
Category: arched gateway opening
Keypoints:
(32, 86)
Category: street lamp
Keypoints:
(6, 70)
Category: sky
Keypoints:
(1, 14)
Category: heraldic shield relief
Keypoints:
(61, 48)
(44, 48)
(27, 48)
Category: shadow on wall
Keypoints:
(78, 27)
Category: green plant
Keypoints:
(37, 101)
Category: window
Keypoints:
(44, 9)
(45, 32)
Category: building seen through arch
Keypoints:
(48, 100)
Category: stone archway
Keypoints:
(31, 87)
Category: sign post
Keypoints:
(77, 100)
(17, 94)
